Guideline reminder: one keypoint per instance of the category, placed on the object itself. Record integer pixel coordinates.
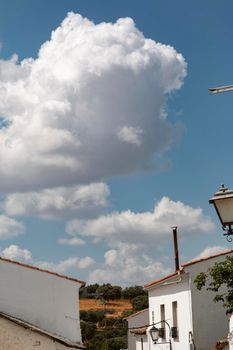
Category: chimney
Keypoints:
(176, 251)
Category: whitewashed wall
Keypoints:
(166, 294)
(197, 312)
(141, 342)
(137, 320)
(210, 322)
(42, 299)
(230, 335)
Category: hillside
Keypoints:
(116, 306)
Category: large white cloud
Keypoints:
(128, 264)
(14, 252)
(136, 240)
(81, 201)
(67, 264)
(90, 106)
(128, 226)
(9, 227)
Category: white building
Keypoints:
(137, 330)
(230, 335)
(38, 301)
(196, 321)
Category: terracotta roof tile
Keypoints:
(139, 331)
(161, 279)
(206, 258)
(43, 270)
(185, 265)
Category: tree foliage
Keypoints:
(99, 330)
(92, 316)
(109, 292)
(88, 330)
(219, 279)
(133, 292)
(104, 341)
(89, 291)
(140, 302)
(103, 333)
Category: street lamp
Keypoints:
(154, 333)
(223, 203)
(157, 333)
(216, 90)
(223, 200)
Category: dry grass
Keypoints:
(117, 305)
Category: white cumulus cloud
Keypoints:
(81, 201)
(9, 227)
(131, 135)
(71, 115)
(127, 264)
(67, 264)
(14, 252)
(129, 226)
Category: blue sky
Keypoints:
(136, 129)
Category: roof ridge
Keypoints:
(173, 274)
(191, 262)
(136, 313)
(43, 270)
(194, 261)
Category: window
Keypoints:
(162, 318)
(153, 317)
(175, 320)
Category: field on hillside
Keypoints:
(117, 306)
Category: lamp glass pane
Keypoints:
(154, 333)
(225, 209)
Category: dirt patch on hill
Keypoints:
(116, 306)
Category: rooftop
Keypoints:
(195, 261)
(42, 270)
(136, 313)
(191, 262)
(161, 279)
(139, 330)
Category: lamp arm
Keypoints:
(229, 232)
(169, 327)
(164, 321)
(152, 324)
(156, 323)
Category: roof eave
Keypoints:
(82, 283)
(163, 281)
(192, 262)
(166, 279)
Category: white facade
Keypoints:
(41, 298)
(194, 313)
(210, 322)
(175, 290)
(230, 335)
(141, 342)
(138, 340)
